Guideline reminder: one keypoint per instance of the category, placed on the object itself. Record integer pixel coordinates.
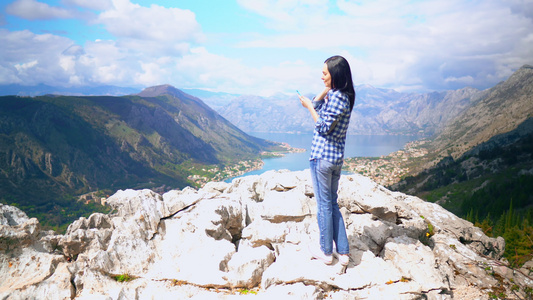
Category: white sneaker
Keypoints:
(344, 259)
(316, 253)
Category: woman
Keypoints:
(331, 111)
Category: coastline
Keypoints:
(242, 167)
(285, 148)
(387, 169)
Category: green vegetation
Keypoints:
(491, 186)
(490, 207)
(123, 277)
(247, 292)
(500, 204)
(57, 214)
(425, 237)
(516, 227)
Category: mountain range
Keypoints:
(376, 111)
(43, 89)
(55, 146)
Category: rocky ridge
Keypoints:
(499, 110)
(252, 235)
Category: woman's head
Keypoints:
(339, 76)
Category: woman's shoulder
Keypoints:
(334, 93)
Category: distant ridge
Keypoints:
(159, 90)
(167, 89)
(43, 89)
(377, 111)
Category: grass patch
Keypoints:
(123, 277)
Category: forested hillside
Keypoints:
(53, 148)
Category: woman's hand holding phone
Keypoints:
(306, 102)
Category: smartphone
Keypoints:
(298, 92)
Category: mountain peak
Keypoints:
(159, 90)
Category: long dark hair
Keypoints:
(341, 76)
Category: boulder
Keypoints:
(11, 216)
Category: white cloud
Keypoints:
(522, 7)
(288, 15)
(401, 44)
(200, 69)
(25, 66)
(150, 40)
(421, 45)
(34, 10)
(31, 58)
(155, 72)
(154, 23)
(91, 4)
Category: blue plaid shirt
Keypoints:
(329, 137)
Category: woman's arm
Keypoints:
(307, 103)
(338, 103)
(322, 95)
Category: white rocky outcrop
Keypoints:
(251, 235)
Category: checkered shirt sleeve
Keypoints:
(329, 137)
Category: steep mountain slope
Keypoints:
(55, 146)
(229, 142)
(500, 109)
(483, 160)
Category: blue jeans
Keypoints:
(325, 176)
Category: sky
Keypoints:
(263, 47)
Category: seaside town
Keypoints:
(389, 169)
(217, 174)
(284, 149)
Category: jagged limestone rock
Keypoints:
(246, 266)
(11, 215)
(250, 234)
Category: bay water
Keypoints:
(356, 146)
